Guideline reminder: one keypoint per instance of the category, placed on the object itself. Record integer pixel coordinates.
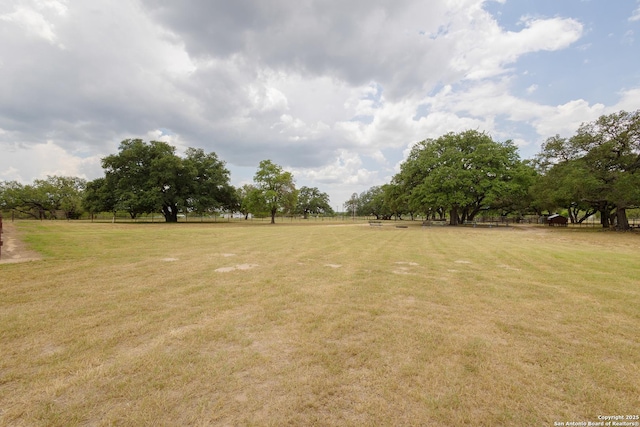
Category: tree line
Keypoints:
(461, 175)
(144, 178)
(455, 177)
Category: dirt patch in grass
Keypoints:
(333, 265)
(404, 267)
(508, 267)
(402, 270)
(13, 248)
(236, 267)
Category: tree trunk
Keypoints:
(586, 215)
(604, 217)
(573, 214)
(273, 215)
(170, 213)
(622, 221)
(453, 220)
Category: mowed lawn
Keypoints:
(319, 324)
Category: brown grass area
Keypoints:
(138, 325)
(13, 248)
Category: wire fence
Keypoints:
(484, 220)
(0, 235)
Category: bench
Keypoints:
(375, 223)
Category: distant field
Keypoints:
(318, 324)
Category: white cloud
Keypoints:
(489, 100)
(37, 18)
(635, 16)
(334, 90)
(485, 51)
(46, 159)
(566, 118)
(629, 101)
(340, 171)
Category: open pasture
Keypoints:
(319, 324)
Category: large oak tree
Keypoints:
(149, 177)
(598, 168)
(313, 201)
(462, 174)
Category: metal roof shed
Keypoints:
(557, 220)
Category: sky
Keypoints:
(335, 91)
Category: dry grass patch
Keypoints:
(13, 248)
(135, 325)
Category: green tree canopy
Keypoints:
(599, 166)
(249, 200)
(276, 189)
(372, 202)
(352, 205)
(462, 173)
(395, 200)
(208, 187)
(99, 196)
(566, 185)
(313, 201)
(147, 177)
(45, 198)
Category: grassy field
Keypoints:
(319, 324)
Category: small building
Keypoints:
(557, 220)
(236, 215)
